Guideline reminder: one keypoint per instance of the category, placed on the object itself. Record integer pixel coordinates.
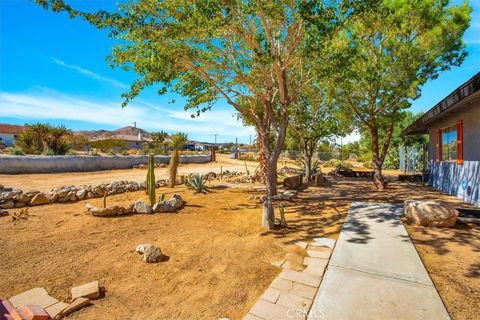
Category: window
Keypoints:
(449, 144)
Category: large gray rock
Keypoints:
(81, 194)
(163, 207)
(142, 207)
(176, 201)
(149, 252)
(9, 204)
(431, 213)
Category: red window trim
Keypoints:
(459, 126)
(438, 146)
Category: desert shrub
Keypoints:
(108, 144)
(367, 165)
(125, 152)
(334, 163)
(132, 152)
(44, 139)
(48, 152)
(71, 152)
(93, 153)
(111, 153)
(15, 151)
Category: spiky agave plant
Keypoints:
(198, 183)
(150, 183)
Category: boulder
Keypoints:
(105, 212)
(162, 207)
(9, 204)
(19, 204)
(142, 207)
(39, 199)
(176, 201)
(149, 253)
(72, 196)
(81, 194)
(431, 213)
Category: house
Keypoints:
(8, 134)
(453, 126)
(128, 141)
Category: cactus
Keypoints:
(162, 197)
(150, 183)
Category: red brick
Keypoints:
(35, 312)
(9, 311)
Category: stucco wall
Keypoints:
(471, 132)
(462, 180)
(46, 164)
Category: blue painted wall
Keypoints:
(462, 180)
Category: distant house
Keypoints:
(8, 133)
(453, 126)
(130, 141)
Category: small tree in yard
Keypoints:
(312, 120)
(249, 53)
(380, 60)
(178, 141)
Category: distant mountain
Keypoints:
(126, 131)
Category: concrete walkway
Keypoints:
(375, 271)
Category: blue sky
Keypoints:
(53, 69)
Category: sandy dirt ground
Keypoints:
(44, 182)
(218, 257)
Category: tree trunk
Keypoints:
(377, 162)
(268, 216)
(308, 166)
(173, 168)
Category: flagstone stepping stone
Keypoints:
(293, 265)
(308, 261)
(35, 296)
(325, 242)
(270, 311)
(318, 254)
(76, 304)
(56, 309)
(301, 277)
(271, 294)
(291, 301)
(250, 316)
(89, 290)
(302, 244)
(315, 270)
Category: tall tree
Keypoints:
(245, 52)
(382, 58)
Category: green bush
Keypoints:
(15, 151)
(44, 139)
(94, 153)
(334, 163)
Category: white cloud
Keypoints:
(43, 104)
(90, 74)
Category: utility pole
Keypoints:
(250, 140)
(215, 134)
(236, 148)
